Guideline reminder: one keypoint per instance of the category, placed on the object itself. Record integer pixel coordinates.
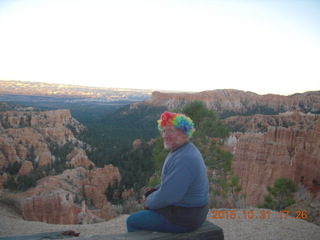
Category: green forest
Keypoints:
(113, 135)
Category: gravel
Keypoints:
(235, 223)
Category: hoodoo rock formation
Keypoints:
(61, 199)
(29, 135)
(261, 158)
(38, 145)
(260, 123)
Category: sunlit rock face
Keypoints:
(228, 101)
(261, 158)
(62, 199)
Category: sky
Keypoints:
(263, 46)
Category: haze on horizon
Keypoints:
(252, 45)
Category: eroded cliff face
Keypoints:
(231, 102)
(261, 158)
(38, 143)
(62, 199)
(29, 135)
(260, 123)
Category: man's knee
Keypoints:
(140, 220)
(130, 220)
(130, 224)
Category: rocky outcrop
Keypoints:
(136, 144)
(39, 119)
(29, 135)
(260, 123)
(234, 102)
(78, 158)
(26, 168)
(59, 199)
(261, 158)
(38, 145)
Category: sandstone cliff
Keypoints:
(261, 158)
(234, 102)
(63, 199)
(260, 123)
(29, 135)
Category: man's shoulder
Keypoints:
(186, 146)
(190, 148)
(188, 151)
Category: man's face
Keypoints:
(173, 138)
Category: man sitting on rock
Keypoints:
(180, 203)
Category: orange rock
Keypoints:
(26, 137)
(259, 159)
(136, 144)
(26, 168)
(54, 199)
(230, 100)
(78, 157)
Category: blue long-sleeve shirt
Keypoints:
(184, 180)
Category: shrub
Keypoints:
(11, 201)
(131, 205)
(280, 194)
(115, 210)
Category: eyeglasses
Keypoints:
(168, 132)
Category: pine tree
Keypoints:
(280, 194)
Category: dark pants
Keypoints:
(152, 221)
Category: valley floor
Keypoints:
(273, 227)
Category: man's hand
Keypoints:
(150, 191)
(144, 198)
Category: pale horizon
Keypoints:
(160, 90)
(261, 46)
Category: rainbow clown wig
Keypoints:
(178, 120)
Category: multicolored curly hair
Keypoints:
(179, 120)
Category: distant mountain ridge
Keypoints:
(25, 88)
(230, 102)
(218, 100)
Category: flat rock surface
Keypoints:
(273, 226)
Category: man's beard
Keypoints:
(172, 145)
(167, 147)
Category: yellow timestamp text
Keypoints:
(262, 214)
(232, 214)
